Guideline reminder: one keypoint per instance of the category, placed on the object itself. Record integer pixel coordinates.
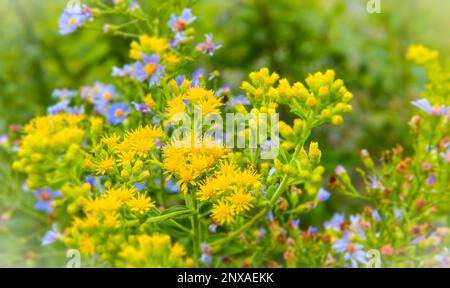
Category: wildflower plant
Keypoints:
(129, 184)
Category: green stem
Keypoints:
(191, 202)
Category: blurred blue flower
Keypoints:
(335, 222)
(424, 105)
(46, 197)
(180, 23)
(63, 93)
(323, 195)
(141, 107)
(71, 19)
(352, 251)
(50, 236)
(150, 68)
(117, 113)
(208, 46)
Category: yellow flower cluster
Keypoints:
(105, 215)
(154, 251)
(50, 141)
(194, 97)
(189, 158)
(153, 45)
(306, 167)
(229, 189)
(124, 156)
(420, 54)
(324, 97)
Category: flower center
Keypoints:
(150, 68)
(45, 196)
(180, 25)
(72, 21)
(350, 248)
(119, 113)
(106, 96)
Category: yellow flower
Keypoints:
(177, 250)
(207, 189)
(110, 140)
(141, 204)
(105, 165)
(420, 54)
(122, 194)
(222, 213)
(87, 245)
(175, 107)
(241, 200)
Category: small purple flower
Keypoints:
(206, 254)
(424, 105)
(335, 222)
(140, 186)
(398, 214)
(46, 199)
(295, 223)
(269, 216)
(179, 38)
(141, 107)
(50, 236)
(58, 107)
(340, 170)
(443, 258)
(3, 139)
(323, 195)
(312, 230)
(197, 77)
(126, 70)
(105, 94)
(376, 216)
(72, 19)
(208, 46)
(225, 90)
(117, 113)
(353, 252)
(212, 228)
(180, 23)
(431, 180)
(149, 69)
(63, 93)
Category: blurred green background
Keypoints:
(291, 37)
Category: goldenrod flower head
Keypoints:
(420, 54)
(241, 200)
(105, 165)
(141, 204)
(223, 213)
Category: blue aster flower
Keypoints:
(212, 228)
(63, 93)
(241, 99)
(58, 107)
(180, 23)
(126, 70)
(352, 251)
(179, 38)
(323, 195)
(208, 46)
(105, 94)
(117, 113)
(46, 199)
(142, 107)
(50, 236)
(424, 105)
(197, 77)
(376, 216)
(335, 222)
(72, 19)
(150, 68)
(312, 230)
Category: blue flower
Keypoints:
(335, 222)
(208, 46)
(140, 186)
(141, 107)
(105, 94)
(117, 113)
(225, 90)
(179, 38)
(63, 93)
(424, 105)
(180, 23)
(149, 69)
(50, 236)
(312, 230)
(443, 258)
(126, 70)
(353, 252)
(58, 107)
(197, 77)
(46, 199)
(212, 228)
(376, 216)
(71, 19)
(323, 195)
